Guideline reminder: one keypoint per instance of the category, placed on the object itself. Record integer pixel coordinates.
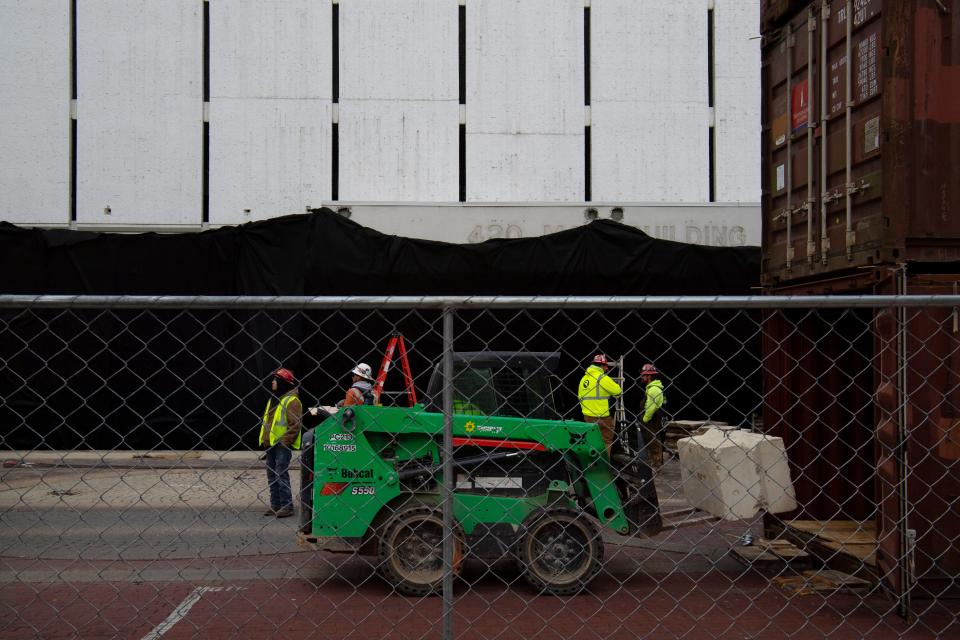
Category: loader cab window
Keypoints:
(522, 393)
(473, 392)
(519, 393)
(497, 386)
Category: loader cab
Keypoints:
(495, 383)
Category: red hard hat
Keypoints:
(285, 375)
(600, 359)
(648, 370)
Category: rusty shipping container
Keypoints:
(773, 13)
(868, 404)
(861, 161)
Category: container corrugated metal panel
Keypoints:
(900, 199)
(399, 112)
(140, 112)
(525, 100)
(737, 100)
(919, 491)
(270, 108)
(35, 103)
(649, 101)
(833, 393)
(821, 405)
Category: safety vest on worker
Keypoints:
(654, 400)
(465, 407)
(595, 391)
(278, 422)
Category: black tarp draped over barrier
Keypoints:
(174, 379)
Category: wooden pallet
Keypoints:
(822, 581)
(772, 556)
(855, 540)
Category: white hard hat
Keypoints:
(363, 370)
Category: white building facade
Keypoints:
(456, 120)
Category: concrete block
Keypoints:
(735, 474)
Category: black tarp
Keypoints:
(326, 254)
(135, 379)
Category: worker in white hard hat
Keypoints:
(361, 391)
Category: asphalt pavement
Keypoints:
(174, 544)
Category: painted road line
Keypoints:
(182, 610)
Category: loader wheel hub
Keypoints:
(560, 552)
(411, 551)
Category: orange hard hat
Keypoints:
(648, 370)
(600, 359)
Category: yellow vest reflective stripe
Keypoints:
(594, 399)
(278, 422)
(599, 394)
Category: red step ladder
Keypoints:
(396, 344)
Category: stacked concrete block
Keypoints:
(735, 474)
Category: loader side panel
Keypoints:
(351, 482)
(367, 456)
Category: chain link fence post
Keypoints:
(448, 479)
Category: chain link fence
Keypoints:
(792, 472)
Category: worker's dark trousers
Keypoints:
(607, 427)
(278, 476)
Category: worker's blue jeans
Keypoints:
(278, 476)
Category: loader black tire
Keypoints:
(560, 551)
(411, 550)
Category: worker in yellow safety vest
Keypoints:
(595, 392)
(280, 434)
(654, 400)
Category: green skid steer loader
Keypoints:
(529, 485)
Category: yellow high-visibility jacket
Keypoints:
(654, 400)
(595, 391)
(277, 422)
